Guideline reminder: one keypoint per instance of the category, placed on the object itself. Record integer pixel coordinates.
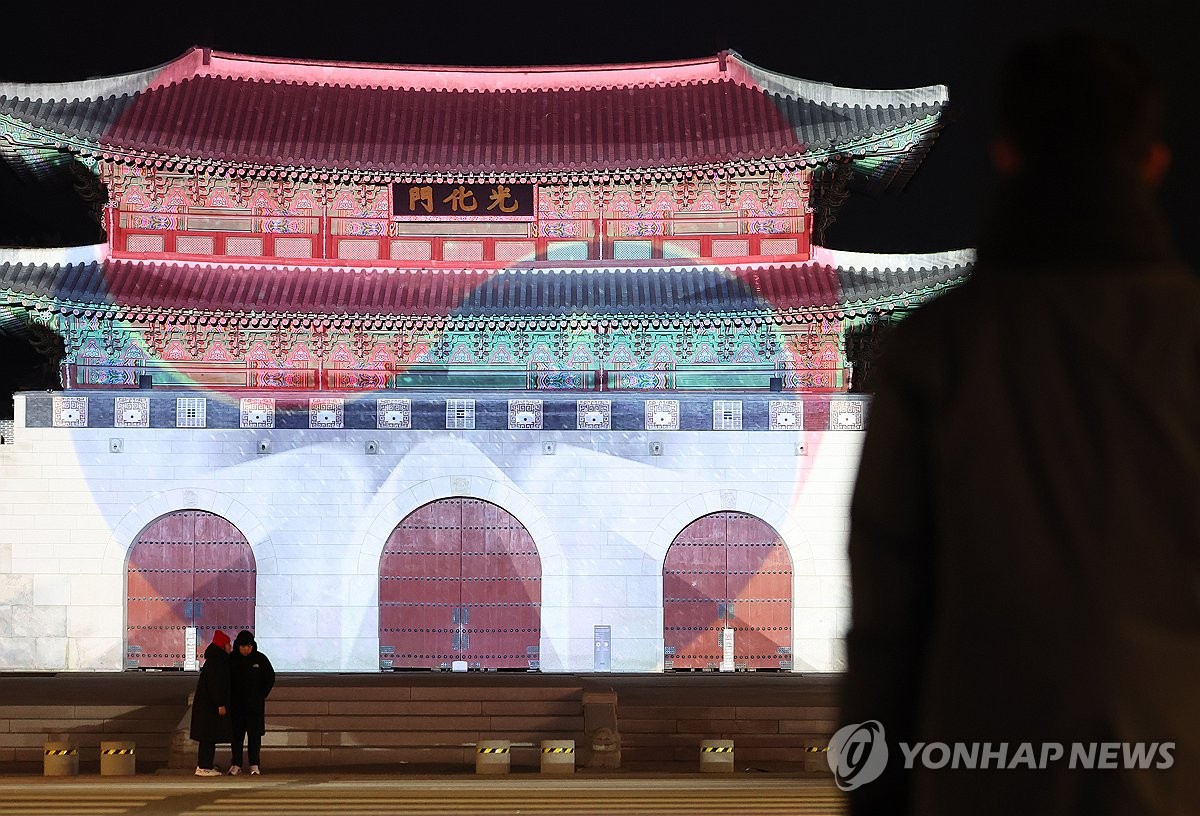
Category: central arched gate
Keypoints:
(186, 569)
(460, 580)
(727, 571)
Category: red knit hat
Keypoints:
(220, 639)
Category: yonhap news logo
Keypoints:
(858, 754)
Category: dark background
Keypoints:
(866, 44)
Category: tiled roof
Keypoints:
(808, 287)
(507, 121)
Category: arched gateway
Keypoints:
(186, 569)
(460, 580)
(727, 571)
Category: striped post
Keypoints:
(60, 758)
(716, 756)
(816, 759)
(493, 756)
(118, 759)
(558, 757)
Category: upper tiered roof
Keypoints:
(212, 108)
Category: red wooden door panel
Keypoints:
(727, 570)
(187, 568)
(501, 589)
(224, 588)
(418, 587)
(460, 579)
(694, 594)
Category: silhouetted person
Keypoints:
(1025, 530)
(210, 707)
(252, 677)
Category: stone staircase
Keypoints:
(773, 719)
(417, 719)
(430, 721)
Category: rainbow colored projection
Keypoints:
(305, 247)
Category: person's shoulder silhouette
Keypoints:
(1025, 530)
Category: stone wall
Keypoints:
(602, 504)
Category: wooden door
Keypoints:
(727, 570)
(187, 568)
(460, 579)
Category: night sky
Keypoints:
(865, 44)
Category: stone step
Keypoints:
(324, 721)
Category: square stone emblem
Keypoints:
(258, 412)
(845, 415)
(662, 415)
(786, 415)
(70, 412)
(326, 413)
(131, 412)
(593, 415)
(395, 414)
(525, 415)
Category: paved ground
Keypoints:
(465, 795)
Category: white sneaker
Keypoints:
(254, 770)
(207, 772)
(234, 770)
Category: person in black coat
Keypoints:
(210, 708)
(1025, 531)
(252, 680)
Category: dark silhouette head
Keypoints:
(1079, 105)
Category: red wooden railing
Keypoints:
(381, 242)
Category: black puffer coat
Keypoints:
(253, 677)
(212, 692)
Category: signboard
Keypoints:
(727, 650)
(190, 663)
(479, 202)
(602, 656)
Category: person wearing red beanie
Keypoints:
(210, 707)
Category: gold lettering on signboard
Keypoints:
(499, 197)
(461, 199)
(422, 196)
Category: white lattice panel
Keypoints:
(358, 249)
(191, 412)
(515, 250)
(194, 245)
(730, 249)
(293, 247)
(567, 251)
(411, 251)
(460, 414)
(244, 247)
(681, 249)
(462, 251)
(727, 415)
(779, 246)
(144, 243)
(631, 250)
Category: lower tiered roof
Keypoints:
(832, 284)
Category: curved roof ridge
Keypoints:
(199, 61)
(129, 84)
(844, 259)
(826, 94)
(461, 78)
